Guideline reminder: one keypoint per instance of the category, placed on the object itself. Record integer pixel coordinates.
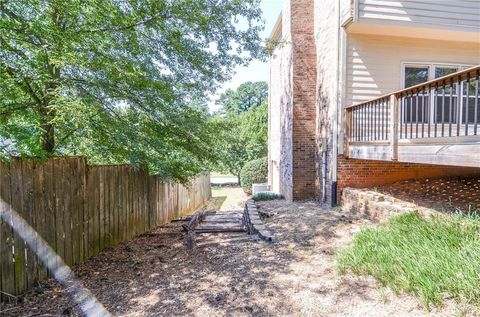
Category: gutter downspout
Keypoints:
(333, 190)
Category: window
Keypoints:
(416, 106)
(415, 75)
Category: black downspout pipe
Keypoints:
(324, 175)
(333, 197)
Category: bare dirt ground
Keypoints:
(155, 275)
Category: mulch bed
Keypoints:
(155, 275)
(446, 194)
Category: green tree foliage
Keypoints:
(241, 138)
(248, 95)
(255, 171)
(118, 80)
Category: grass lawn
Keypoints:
(220, 174)
(434, 258)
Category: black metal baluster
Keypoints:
(405, 112)
(401, 116)
(429, 104)
(411, 114)
(373, 119)
(435, 109)
(459, 104)
(387, 109)
(382, 109)
(351, 137)
(365, 110)
(475, 123)
(423, 111)
(354, 124)
(379, 122)
(375, 108)
(370, 122)
(359, 109)
(362, 119)
(443, 108)
(416, 114)
(365, 114)
(450, 111)
(467, 103)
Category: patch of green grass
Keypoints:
(220, 174)
(434, 258)
(266, 196)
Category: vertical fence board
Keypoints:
(120, 205)
(128, 220)
(65, 201)
(59, 208)
(145, 201)
(29, 215)
(81, 210)
(40, 211)
(7, 266)
(92, 206)
(109, 204)
(19, 245)
(49, 203)
(74, 211)
(102, 223)
(83, 224)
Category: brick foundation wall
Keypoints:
(369, 173)
(304, 94)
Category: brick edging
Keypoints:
(254, 224)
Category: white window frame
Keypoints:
(431, 75)
(431, 68)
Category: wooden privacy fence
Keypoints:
(81, 210)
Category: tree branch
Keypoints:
(126, 27)
(11, 110)
(22, 84)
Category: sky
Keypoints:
(257, 70)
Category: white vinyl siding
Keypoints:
(346, 10)
(375, 63)
(461, 15)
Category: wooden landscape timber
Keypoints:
(212, 222)
(190, 228)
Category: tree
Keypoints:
(248, 95)
(242, 138)
(117, 80)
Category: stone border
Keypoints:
(378, 206)
(254, 224)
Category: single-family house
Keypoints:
(366, 92)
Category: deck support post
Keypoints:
(348, 132)
(394, 105)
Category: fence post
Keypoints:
(348, 132)
(394, 127)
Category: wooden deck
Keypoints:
(431, 123)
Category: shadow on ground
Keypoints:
(155, 275)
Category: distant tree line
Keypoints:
(243, 118)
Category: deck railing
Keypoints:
(445, 107)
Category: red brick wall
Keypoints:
(304, 113)
(369, 173)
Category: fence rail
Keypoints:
(445, 107)
(81, 210)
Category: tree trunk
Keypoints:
(48, 137)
